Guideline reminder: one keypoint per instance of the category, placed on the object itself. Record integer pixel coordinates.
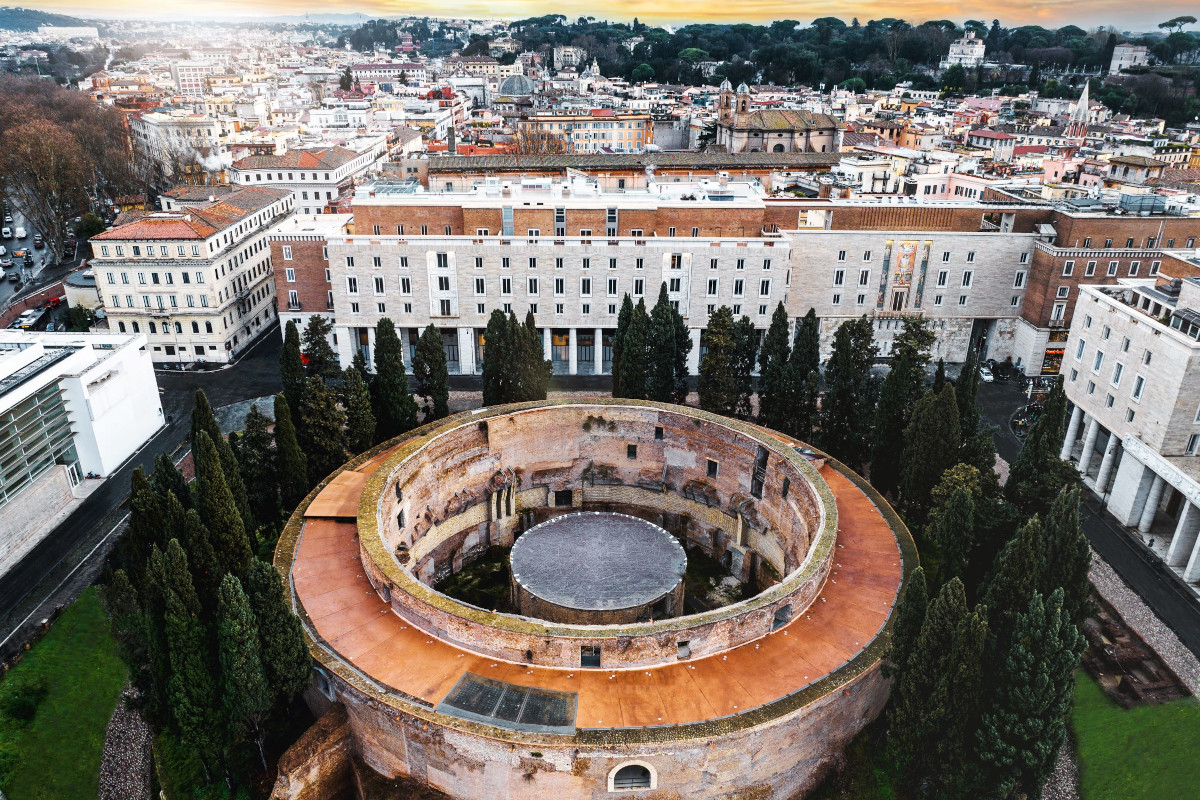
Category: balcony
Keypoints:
(295, 305)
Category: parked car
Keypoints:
(986, 375)
(8, 219)
(54, 302)
(5, 262)
(20, 232)
(6, 232)
(14, 277)
(38, 242)
(3, 250)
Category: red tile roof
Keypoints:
(196, 223)
(324, 158)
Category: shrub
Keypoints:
(21, 700)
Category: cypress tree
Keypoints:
(683, 348)
(395, 409)
(285, 657)
(145, 529)
(745, 356)
(1066, 555)
(661, 350)
(1039, 475)
(203, 419)
(774, 395)
(635, 348)
(953, 528)
(167, 479)
(718, 386)
(966, 389)
(291, 465)
(127, 623)
(360, 421)
(807, 411)
(432, 378)
(322, 430)
(939, 377)
(191, 688)
(218, 511)
(497, 361)
(848, 409)
(806, 350)
(359, 362)
(533, 368)
(322, 361)
(931, 444)
(245, 694)
(1015, 577)
(901, 390)
(291, 364)
(1021, 732)
(910, 614)
(936, 702)
(256, 458)
(618, 347)
(158, 658)
(186, 528)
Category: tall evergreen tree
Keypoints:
(359, 362)
(718, 379)
(127, 623)
(533, 368)
(203, 419)
(848, 409)
(936, 702)
(291, 364)
(806, 349)
(145, 529)
(432, 378)
(966, 390)
(285, 657)
(1026, 722)
(661, 349)
(158, 657)
(217, 509)
(322, 430)
(1066, 555)
(256, 458)
(360, 420)
(1039, 475)
(775, 397)
(931, 444)
(245, 693)
(635, 354)
(899, 394)
(745, 356)
(498, 367)
(167, 478)
(291, 465)
(395, 409)
(618, 347)
(910, 614)
(939, 376)
(683, 348)
(191, 688)
(185, 527)
(322, 361)
(1015, 577)
(954, 531)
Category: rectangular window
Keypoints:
(1090, 269)
(1139, 383)
(443, 260)
(287, 253)
(612, 287)
(766, 263)
(712, 287)
(839, 277)
(377, 261)
(1118, 368)
(1133, 268)
(966, 278)
(764, 288)
(867, 255)
(639, 287)
(631, 451)
(943, 277)
(937, 299)
(739, 288)
(1098, 361)
(349, 261)
(712, 468)
(971, 257)
(585, 287)
(444, 307)
(864, 277)
(1192, 442)
(378, 284)
(1063, 292)
(1068, 269)
(837, 300)
(532, 262)
(841, 255)
(1079, 349)
(406, 285)
(1019, 280)
(945, 256)
(1112, 267)
(962, 299)
(352, 285)
(532, 287)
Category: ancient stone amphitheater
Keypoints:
(606, 683)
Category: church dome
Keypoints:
(516, 85)
(726, 86)
(743, 88)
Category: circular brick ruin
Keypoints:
(599, 685)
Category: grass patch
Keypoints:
(57, 751)
(1146, 752)
(484, 583)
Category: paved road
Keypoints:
(1145, 573)
(66, 561)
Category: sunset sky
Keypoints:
(1049, 13)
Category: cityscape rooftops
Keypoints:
(196, 223)
(323, 158)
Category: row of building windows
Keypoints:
(1090, 268)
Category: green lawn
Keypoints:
(59, 750)
(1148, 752)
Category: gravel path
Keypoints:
(125, 764)
(1145, 623)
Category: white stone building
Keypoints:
(70, 404)
(967, 51)
(1128, 55)
(1132, 373)
(190, 77)
(314, 176)
(198, 282)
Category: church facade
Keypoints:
(740, 130)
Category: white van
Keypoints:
(6, 233)
(20, 232)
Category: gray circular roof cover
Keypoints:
(516, 86)
(595, 561)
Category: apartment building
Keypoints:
(314, 176)
(299, 247)
(1132, 374)
(406, 72)
(190, 77)
(593, 131)
(197, 282)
